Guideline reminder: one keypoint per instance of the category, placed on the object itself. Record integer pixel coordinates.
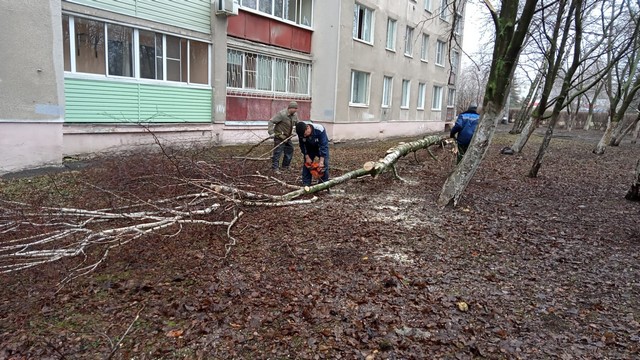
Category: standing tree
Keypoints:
(591, 97)
(555, 52)
(528, 102)
(623, 80)
(510, 33)
(591, 53)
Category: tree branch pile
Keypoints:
(36, 235)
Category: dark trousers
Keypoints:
(462, 149)
(306, 174)
(285, 147)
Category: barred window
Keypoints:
(247, 70)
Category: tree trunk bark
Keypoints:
(636, 132)
(524, 136)
(602, 144)
(525, 112)
(617, 137)
(589, 121)
(537, 163)
(634, 191)
(462, 174)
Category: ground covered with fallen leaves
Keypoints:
(544, 268)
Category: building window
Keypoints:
(436, 100)
(363, 23)
(359, 88)
(424, 52)
(151, 55)
(89, 46)
(120, 50)
(387, 86)
(421, 92)
(258, 72)
(455, 57)
(299, 75)
(295, 11)
(247, 70)
(406, 92)
(391, 34)
(427, 5)
(444, 10)
(458, 25)
(95, 47)
(451, 98)
(408, 42)
(440, 53)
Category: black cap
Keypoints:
(301, 127)
(473, 107)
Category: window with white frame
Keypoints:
(408, 41)
(455, 57)
(427, 5)
(422, 88)
(451, 98)
(246, 70)
(436, 99)
(440, 45)
(406, 93)
(392, 26)
(387, 86)
(444, 10)
(96, 47)
(363, 23)
(359, 88)
(424, 51)
(296, 11)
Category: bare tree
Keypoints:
(554, 46)
(586, 56)
(591, 97)
(511, 27)
(529, 101)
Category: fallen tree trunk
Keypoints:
(38, 235)
(634, 192)
(372, 168)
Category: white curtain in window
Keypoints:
(280, 75)
(264, 72)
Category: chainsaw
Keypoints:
(315, 169)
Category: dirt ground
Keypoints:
(544, 268)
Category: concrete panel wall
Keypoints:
(31, 84)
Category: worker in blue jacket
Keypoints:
(314, 143)
(464, 128)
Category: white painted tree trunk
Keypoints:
(602, 144)
(589, 122)
(524, 136)
(634, 192)
(636, 132)
(620, 133)
(462, 174)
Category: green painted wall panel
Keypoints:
(96, 101)
(188, 14)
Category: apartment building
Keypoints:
(86, 76)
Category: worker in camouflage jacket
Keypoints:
(464, 128)
(314, 143)
(281, 127)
